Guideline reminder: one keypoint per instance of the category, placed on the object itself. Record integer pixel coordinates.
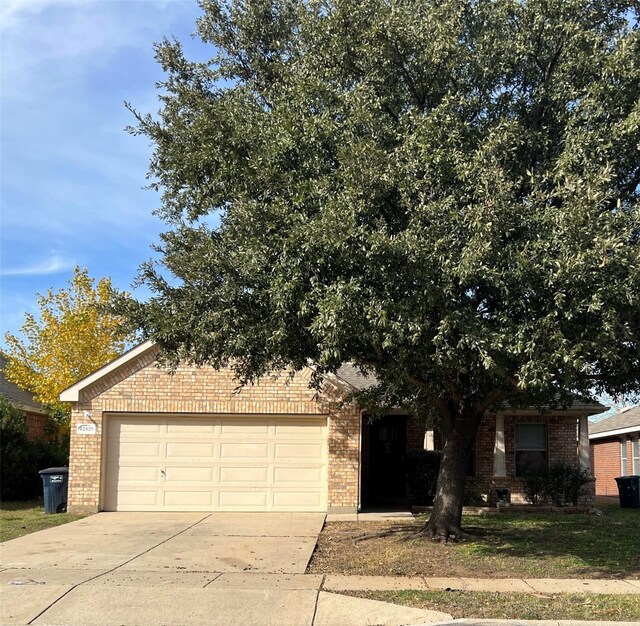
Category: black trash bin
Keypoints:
(629, 491)
(55, 481)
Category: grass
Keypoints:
(21, 518)
(480, 605)
(507, 545)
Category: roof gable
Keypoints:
(72, 394)
(136, 375)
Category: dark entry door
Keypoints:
(387, 453)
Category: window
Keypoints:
(531, 449)
(623, 456)
(636, 455)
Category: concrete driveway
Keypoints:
(177, 568)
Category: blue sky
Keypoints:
(71, 178)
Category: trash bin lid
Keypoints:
(54, 470)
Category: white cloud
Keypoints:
(71, 37)
(53, 265)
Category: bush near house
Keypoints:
(562, 484)
(21, 459)
(533, 489)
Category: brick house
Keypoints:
(615, 449)
(34, 415)
(144, 439)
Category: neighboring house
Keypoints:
(615, 449)
(144, 439)
(34, 415)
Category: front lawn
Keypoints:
(479, 605)
(22, 518)
(507, 545)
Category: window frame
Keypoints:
(624, 457)
(516, 449)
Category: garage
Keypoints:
(193, 438)
(215, 463)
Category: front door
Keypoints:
(387, 454)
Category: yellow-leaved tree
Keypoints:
(73, 336)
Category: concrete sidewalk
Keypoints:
(334, 582)
(129, 598)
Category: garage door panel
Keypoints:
(135, 498)
(298, 451)
(209, 463)
(244, 427)
(191, 427)
(190, 450)
(118, 428)
(297, 499)
(138, 474)
(189, 475)
(192, 500)
(312, 475)
(239, 500)
(138, 450)
(244, 451)
(255, 475)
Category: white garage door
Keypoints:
(206, 463)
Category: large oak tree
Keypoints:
(443, 192)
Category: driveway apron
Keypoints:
(148, 567)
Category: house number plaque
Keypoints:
(86, 429)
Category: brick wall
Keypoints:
(561, 446)
(606, 464)
(36, 426)
(139, 386)
(415, 434)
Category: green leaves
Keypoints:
(445, 193)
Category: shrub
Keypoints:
(564, 483)
(422, 475)
(575, 483)
(474, 492)
(21, 459)
(534, 489)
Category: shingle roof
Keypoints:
(14, 394)
(627, 419)
(351, 375)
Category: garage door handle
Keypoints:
(163, 473)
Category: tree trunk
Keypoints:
(446, 519)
